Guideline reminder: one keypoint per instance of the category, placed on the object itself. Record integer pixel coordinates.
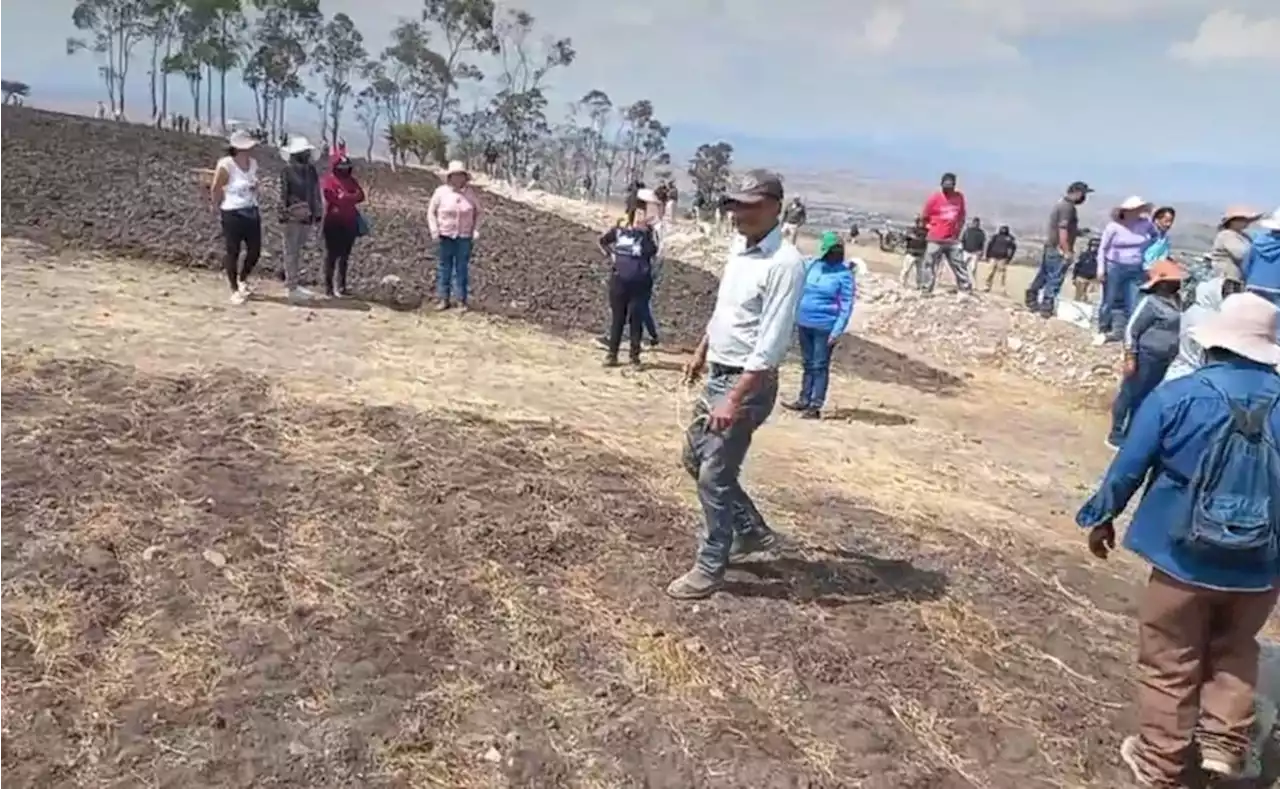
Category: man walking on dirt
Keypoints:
(746, 340)
(944, 217)
(973, 242)
(1059, 251)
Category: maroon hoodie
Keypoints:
(342, 193)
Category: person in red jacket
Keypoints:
(342, 221)
(944, 215)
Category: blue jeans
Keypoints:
(1147, 375)
(816, 352)
(1042, 295)
(451, 273)
(1120, 296)
(715, 459)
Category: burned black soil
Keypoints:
(209, 583)
(140, 192)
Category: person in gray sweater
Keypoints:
(1150, 344)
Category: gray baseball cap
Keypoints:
(754, 186)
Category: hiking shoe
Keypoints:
(1220, 765)
(442, 305)
(339, 293)
(610, 360)
(300, 294)
(694, 585)
(239, 297)
(1129, 755)
(811, 413)
(245, 288)
(603, 342)
(635, 362)
(796, 405)
(653, 342)
(463, 309)
(757, 542)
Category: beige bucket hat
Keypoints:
(1246, 325)
(1238, 212)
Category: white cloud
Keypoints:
(880, 31)
(1227, 36)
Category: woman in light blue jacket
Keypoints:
(825, 307)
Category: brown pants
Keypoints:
(1197, 669)
(999, 268)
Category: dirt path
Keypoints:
(356, 547)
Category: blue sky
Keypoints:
(1162, 97)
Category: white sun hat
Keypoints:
(241, 140)
(1245, 325)
(647, 196)
(1132, 203)
(297, 144)
(456, 167)
(1270, 222)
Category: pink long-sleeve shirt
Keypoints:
(453, 213)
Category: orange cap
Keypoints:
(1164, 271)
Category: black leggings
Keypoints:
(339, 238)
(242, 227)
(627, 300)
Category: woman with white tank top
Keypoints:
(235, 192)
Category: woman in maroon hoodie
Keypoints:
(342, 193)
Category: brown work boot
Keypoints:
(694, 585)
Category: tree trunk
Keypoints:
(208, 95)
(222, 94)
(194, 85)
(155, 55)
(164, 78)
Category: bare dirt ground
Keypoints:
(273, 546)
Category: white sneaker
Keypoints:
(1220, 766)
(245, 288)
(1099, 339)
(300, 294)
(239, 297)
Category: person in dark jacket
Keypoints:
(973, 242)
(916, 241)
(631, 248)
(301, 208)
(1085, 270)
(1151, 341)
(1000, 251)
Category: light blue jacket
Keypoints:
(1261, 267)
(827, 300)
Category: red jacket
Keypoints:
(341, 194)
(341, 197)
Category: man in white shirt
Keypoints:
(746, 340)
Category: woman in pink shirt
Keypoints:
(454, 216)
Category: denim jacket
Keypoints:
(1167, 437)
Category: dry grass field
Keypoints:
(276, 546)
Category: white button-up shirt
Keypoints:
(755, 311)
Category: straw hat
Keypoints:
(1163, 271)
(1238, 212)
(1131, 203)
(241, 140)
(1272, 222)
(1245, 325)
(456, 167)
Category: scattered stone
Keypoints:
(213, 557)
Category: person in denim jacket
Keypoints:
(1200, 612)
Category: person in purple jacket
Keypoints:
(825, 307)
(1121, 251)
